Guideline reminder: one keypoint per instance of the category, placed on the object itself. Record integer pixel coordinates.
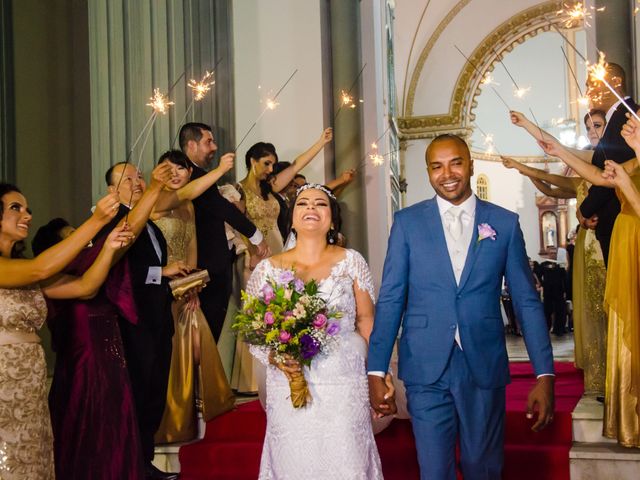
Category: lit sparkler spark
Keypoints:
(374, 146)
(159, 102)
(376, 159)
(347, 99)
(521, 92)
(271, 104)
(488, 139)
(598, 71)
(201, 88)
(583, 100)
(488, 79)
(577, 14)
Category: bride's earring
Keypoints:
(331, 236)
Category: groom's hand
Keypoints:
(381, 402)
(541, 400)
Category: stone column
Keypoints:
(345, 65)
(614, 35)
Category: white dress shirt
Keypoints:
(612, 109)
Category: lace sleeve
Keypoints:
(256, 281)
(359, 270)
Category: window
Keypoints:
(482, 187)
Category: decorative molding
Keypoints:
(492, 157)
(504, 38)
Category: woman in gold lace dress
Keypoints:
(589, 318)
(262, 208)
(196, 379)
(26, 448)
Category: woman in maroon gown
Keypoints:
(92, 410)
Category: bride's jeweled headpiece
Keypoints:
(315, 186)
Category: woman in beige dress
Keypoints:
(26, 449)
(262, 208)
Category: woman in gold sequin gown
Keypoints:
(588, 281)
(196, 379)
(26, 450)
(262, 208)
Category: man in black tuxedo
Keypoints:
(601, 206)
(147, 344)
(212, 211)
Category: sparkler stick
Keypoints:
(134, 146)
(373, 152)
(346, 97)
(555, 27)
(154, 115)
(488, 140)
(480, 73)
(271, 104)
(520, 92)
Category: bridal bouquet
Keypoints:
(289, 318)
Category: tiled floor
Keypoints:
(562, 348)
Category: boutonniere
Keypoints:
(486, 231)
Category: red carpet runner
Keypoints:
(233, 442)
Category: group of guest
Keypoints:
(135, 366)
(605, 266)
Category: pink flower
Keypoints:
(319, 320)
(486, 231)
(269, 318)
(288, 315)
(267, 293)
(284, 336)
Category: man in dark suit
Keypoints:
(147, 344)
(212, 211)
(601, 206)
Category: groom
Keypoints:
(442, 279)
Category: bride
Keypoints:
(332, 437)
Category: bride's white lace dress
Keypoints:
(331, 438)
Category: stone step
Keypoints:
(587, 421)
(598, 461)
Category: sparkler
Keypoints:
(346, 99)
(577, 14)
(598, 72)
(159, 102)
(479, 72)
(271, 104)
(488, 141)
(376, 159)
(519, 92)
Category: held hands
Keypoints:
(327, 136)
(119, 237)
(382, 395)
(263, 250)
(226, 162)
(106, 208)
(160, 175)
(588, 223)
(541, 401)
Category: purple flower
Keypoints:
(486, 231)
(284, 336)
(286, 277)
(298, 285)
(309, 347)
(267, 293)
(269, 318)
(333, 329)
(319, 320)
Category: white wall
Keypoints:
(271, 39)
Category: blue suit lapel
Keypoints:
(475, 246)
(436, 240)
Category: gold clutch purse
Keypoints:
(180, 286)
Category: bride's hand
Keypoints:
(289, 366)
(391, 389)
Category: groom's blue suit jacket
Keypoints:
(419, 291)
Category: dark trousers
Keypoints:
(555, 311)
(214, 299)
(605, 241)
(148, 355)
(455, 408)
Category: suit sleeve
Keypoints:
(391, 301)
(216, 205)
(597, 197)
(527, 304)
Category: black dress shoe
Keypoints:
(153, 473)
(600, 399)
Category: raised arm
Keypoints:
(21, 272)
(197, 187)
(589, 172)
(283, 178)
(617, 174)
(87, 286)
(566, 183)
(338, 184)
(549, 191)
(519, 120)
